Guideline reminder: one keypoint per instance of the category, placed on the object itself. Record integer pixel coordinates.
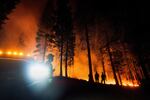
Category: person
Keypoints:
(49, 63)
(103, 77)
(96, 77)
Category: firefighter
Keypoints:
(103, 77)
(49, 63)
(97, 77)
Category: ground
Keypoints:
(60, 88)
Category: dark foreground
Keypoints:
(14, 86)
(68, 89)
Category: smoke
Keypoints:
(19, 31)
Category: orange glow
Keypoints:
(9, 52)
(1, 52)
(25, 20)
(15, 53)
(28, 55)
(21, 54)
(111, 82)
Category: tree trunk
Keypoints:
(146, 76)
(102, 61)
(89, 54)
(120, 80)
(130, 73)
(45, 46)
(111, 61)
(136, 73)
(66, 60)
(126, 59)
(61, 54)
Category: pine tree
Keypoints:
(64, 36)
(6, 8)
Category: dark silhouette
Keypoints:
(41, 43)
(97, 77)
(111, 59)
(103, 77)
(64, 35)
(49, 63)
(84, 21)
(118, 59)
(6, 7)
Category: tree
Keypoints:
(39, 45)
(117, 58)
(64, 36)
(45, 37)
(85, 19)
(6, 8)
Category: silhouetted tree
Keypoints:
(118, 62)
(39, 44)
(84, 19)
(45, 36)
(6, 7)
(64, 36)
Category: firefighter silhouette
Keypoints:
(96, 77)
(103, 77)
(49, 63)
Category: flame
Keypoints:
(25, 20)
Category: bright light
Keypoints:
(39, 72)
(9, 52)
(21, 54)
(15, 53)
(1, 52)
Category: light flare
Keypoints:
(39, 72)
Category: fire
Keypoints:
(130, 84)
(14, 53)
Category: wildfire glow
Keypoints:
(15, 53)
(9, 52)
(1, 52)
(21, 54)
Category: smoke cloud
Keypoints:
(19, 31)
